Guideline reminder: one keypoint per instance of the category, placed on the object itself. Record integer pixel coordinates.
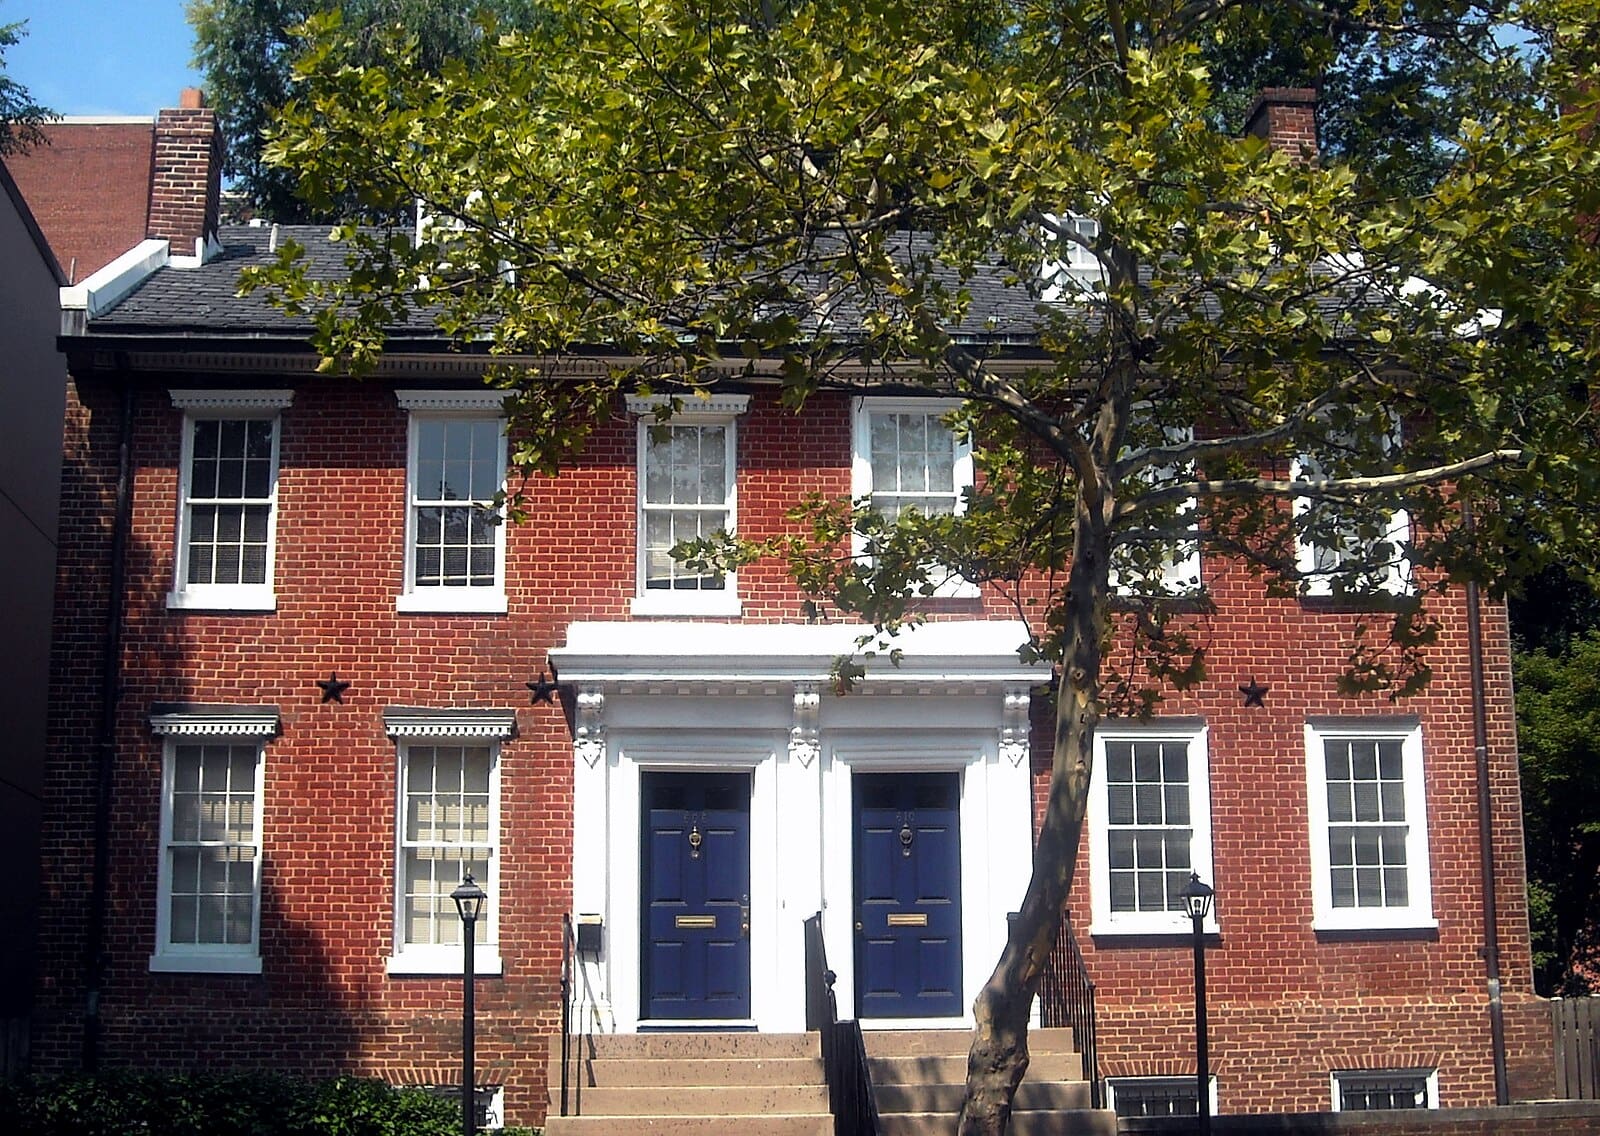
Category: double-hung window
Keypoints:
(687, 491)
(1162, 560)
(448, 826)
(1369, 831)
(208, 909)
(455, 538)
(1346, 546)
(228, 499)
(1149, 825)
(908, 458)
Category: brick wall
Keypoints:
(1285, 1002)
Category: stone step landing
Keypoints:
(691, 1084)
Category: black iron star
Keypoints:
(1255, 694)
(543, 690)
(333, 689)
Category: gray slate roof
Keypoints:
(204, 301)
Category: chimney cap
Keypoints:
(191, 98)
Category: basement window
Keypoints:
(1383, 1090)
(1156, 1096)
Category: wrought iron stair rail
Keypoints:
(1066, 998)
(844, 1051)
(570, 1048)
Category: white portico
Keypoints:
(722, 748)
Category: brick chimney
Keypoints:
(1287, 118)
(186, 178)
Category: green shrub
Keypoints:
(221, 1104)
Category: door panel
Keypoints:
(696, 894)
(908, 894)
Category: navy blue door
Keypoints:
(696, 889)
(908, 895)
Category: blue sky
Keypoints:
(102, 57)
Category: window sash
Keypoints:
(229, 492)
(1369, 843)
(210, 891)
(455, 537)
(1149, 826)
(686, 492)
(449, 825)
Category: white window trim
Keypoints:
(1430, 1078)
(444, 404)
(1180, 576)
(947, 584)
(1396, 579)
(232, 405)
(1103, 921)
(719, 410)
(430, 727)
(1418, 915)
(224, 726)
(1113, 1083)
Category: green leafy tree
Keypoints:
(20, 117)
(1558, 732)
(246, 51)
(1243, 351)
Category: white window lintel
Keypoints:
(214, 721)
(691, 408)
(224, 401)
(408, 722)
(479, 400)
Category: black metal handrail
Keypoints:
(844, 1050)
(568, 942)
(1066, 999)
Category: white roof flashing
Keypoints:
(101, 291)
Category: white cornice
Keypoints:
(480, 399)
(405, 722)
(217, 722)
(232, 399)
(964, 655)
(691, 406)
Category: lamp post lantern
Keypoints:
(1197, 899)
(470, 899)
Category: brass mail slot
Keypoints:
(696, 922)
(909, 919)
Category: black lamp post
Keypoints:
(1197, 902)
(470, 899)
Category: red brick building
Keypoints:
(291, 705)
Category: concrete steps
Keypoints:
(763, 1084)
(919, 1080)
(692, 1084)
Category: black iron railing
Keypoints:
(844, 1051)
(1066, 998)
(571, 1047)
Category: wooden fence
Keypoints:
(1576, 1024)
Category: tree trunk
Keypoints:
(999, 1055)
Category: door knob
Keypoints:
(744, 920)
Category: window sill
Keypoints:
(446, 962)
(452, 601)
(1176, 927)
(1345, 926)
(687, 603)
(205, 964)
(222, 599)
